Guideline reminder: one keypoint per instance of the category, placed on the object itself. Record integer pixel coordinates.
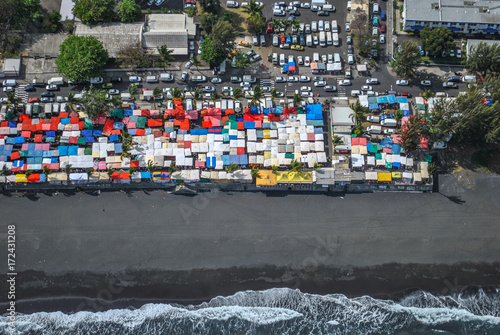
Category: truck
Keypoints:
(373, 119)
(388, 122)
(335, 26)
(374, 129)
(56, 81)
(38, 82)
(322, 39)
(329, 40)
(336, 41)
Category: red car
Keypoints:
(269, 29)
(382, 27)
(33, 100)
(406, 94)
(282, 39)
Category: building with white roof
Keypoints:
(467, 17)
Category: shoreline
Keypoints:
(132, 289)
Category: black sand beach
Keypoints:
(154, 246)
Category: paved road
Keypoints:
(114, 231)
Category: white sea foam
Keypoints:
(282, 311)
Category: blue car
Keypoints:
(302, 40)
(382, 16)
(422, 52)
(288, 39)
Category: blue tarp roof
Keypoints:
(402, 100)
(392, 98)
(382, 100)
(373, 106)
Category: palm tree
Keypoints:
(358, 113)
(89, 171)
(196, 62)
(297, 100)
(214, 95)
(337, 140)
(156, 92)
(252, 8)
(275, 24)
(172, 168)
(274, 169)
(133, 90)
(255, 173)
(176, 93)
(196, 94)
(68, 168)
(295, 23)
(72, 101)
(428, 94)
(316, 166)
(238, 94)
(274, 94)
(258, 94)
(165, 55)
(110, 172)
(286, 24)
(46, 171)
(6, 171)
(232, 168)
(12, 103)
(151, 166)
(297, 166)
(116, 101)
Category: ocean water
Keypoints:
(283, 311)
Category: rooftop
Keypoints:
(480, 11)
(114, 36)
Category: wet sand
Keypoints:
(160, 246)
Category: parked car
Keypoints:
(450, 84)
(189, 64)
(459, 53)
(232, 4)
(114, 91)
(402, 82)
(373, 81)
(330, 88)
(382, 28)
(345, 82)
(297, 47)
(348, 40)
(323, 13)
(426, 83)
(52, 88)
(320, 83)
(347, 26)
(281, 79)
(300, 60)
(307, 61)
(115, 80)
(293, 79)
(184, 76)
(304, 79)
(216, 80)
(382, 39)
(134, 79)
(29, 88)
(366, 88)
(47, 99)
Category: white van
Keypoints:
(309, 41)
(336, 40)
(282, 59)
(336, 58)
(389, 122)
(315, 57)
(441, 95)
(151, 79)
(374, 129)
(56, 81)
(469, 79)
(373, 119)
(166, 77)
(375, 8)
(275, 58)
(355, 93)
(375, 31)
(189, 104)
(126, 97)
(335, 26)
(348, 5)
(329, 40)
(55, 108)
(328, 8)
(314, 26)
(322, 39)
(350, 59)
(10, 83)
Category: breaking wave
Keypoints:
(283, 311)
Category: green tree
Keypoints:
(297, 100)
(358, 113)
(295, 23)
(197, 93)
(133, 90)
(208, 21)
(242, 62)
(95, 102)
(150, 166)
(316, 166)
(275, 24)
(252, 8)
(337, 140)
(196, 62)
(484, 59)
(129, 11)
(255, 173)
(176, 93)
(238, 94)
(214, 95)
(258, 95)
(257, 23)
(191, 11)
(274, 169)
(223, 33)
(412, 131)
(81, 57)
(94, 11)
(407, 60)
(166, 55)
(210, 6)
(297, 166)
(54, 18)
(46, 171)
(212, 53)
(157, 92)
(274, 94)
(135, 56)
(437, 40)
(68, 168)
(72, 101)
(232, 168)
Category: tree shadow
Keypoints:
(455, 199)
